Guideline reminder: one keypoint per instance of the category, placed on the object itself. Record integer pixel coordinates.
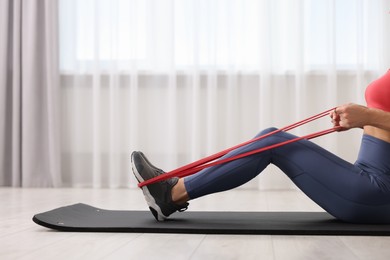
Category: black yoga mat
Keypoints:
(85, 218)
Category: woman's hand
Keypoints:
(349, 116)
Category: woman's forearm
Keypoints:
(357, 116)
(378, 118)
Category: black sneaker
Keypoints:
(157, 195)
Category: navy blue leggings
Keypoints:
(357, 192)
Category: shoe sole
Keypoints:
(154, 208)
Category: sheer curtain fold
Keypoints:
(29, 80)
(181, 79)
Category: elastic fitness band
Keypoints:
(196, 166)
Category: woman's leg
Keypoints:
(341, 188)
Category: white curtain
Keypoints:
(183, 79)
(29, 94)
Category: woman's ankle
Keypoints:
(179, 193)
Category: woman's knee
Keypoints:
(266, 131)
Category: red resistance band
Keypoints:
(209, 161)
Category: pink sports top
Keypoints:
(378, 93)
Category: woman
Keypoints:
(358, 193)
